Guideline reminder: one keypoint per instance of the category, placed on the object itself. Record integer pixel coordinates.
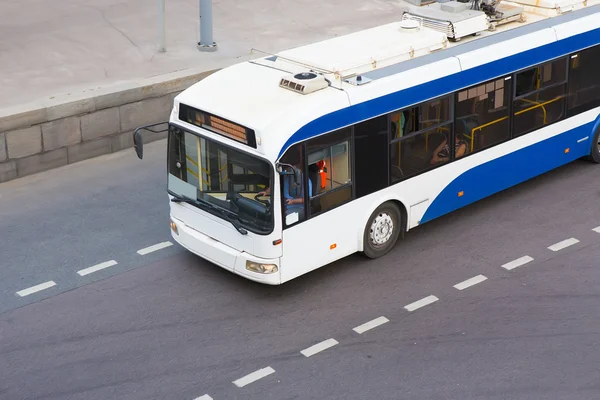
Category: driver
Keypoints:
(293, 195)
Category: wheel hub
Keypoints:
(381, 229)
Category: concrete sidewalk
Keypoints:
(78, 76)
(51, 48)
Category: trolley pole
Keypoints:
(206, 27)
(162, 47)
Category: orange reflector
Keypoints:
(567, 150)
(276, 242)
(460, 193)
(333, 246)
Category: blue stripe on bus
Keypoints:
(511, 169)
(394, 101)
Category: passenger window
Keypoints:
(584, 81)
(403, 123)
(420, 135)
(542, 76)
(370, 168)
(538, 110)
(292, 182)
(330, 171)
(434, 112)
(414, 154)
(482, 116)
(539, 97)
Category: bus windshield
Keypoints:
(220, 180)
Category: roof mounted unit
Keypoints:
(304, 82)
(453, 18)
(551, 8)
(499, 14)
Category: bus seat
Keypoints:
(315, 179)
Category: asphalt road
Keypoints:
(168, 325)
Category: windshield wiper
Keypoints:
(185, 199)
(230, 217)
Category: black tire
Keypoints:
(595, 152)
(377, 240)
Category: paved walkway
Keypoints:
(49, 48)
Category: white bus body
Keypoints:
(267, 110)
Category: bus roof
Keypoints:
(302, 92)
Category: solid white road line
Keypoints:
(253, 377)
(517, 263)
(205, 397)
(36, 288)
(317, 348)
(564, 244)
(156, 247)
(370, 325)
(97, 267)
(421, 303)
(470, 282)
(596, 229)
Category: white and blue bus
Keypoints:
(283, 164)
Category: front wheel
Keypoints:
(595, 153)
(382, 230)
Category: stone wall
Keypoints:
(38, 137)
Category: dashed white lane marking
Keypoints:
(470, 282)
(156, 247)
(36, 288)
(370, 325)
(596, 229)
(421, 303)
(253, 377)
(564, 244)
(517, 263)
(317, 348)
(205, 397)
(97, 267)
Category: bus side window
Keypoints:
(332, 184)
(292, 192)
(584, 81)
(543, 103)
(481, 114)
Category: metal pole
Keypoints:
(206, 27)
(161, 26)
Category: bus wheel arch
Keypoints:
(594, 155)
(382, 229)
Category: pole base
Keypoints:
(207, 47)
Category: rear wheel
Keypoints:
(595, 153)
(382, 230)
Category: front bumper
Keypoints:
(222, 255)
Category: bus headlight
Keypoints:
(174, 227)
(261, 268)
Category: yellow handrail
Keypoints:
(196, 175)
(480, 127)
(537, 105)
(196, 164)
(191, 160)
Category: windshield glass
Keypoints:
(207, 171)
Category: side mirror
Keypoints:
(137, 136)
(280, 168)
(297, 176)
(138, 143)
